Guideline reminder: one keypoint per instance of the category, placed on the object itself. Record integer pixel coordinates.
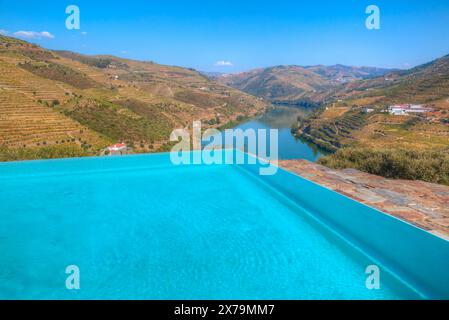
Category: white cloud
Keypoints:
(223, 63)
(48, 35)
(406, 65)
(34, 35)
(84, 33)
(4, 32)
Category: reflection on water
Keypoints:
(290, 147)
(283, 117)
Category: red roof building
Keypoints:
(117, 147)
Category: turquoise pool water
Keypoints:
(140, 228)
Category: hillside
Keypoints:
(55, 100)
(355, 123)
(343, 74)
(377, 142)
(296, 85)
(423, 84)
(343, 122)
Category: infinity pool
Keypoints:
(140, 228)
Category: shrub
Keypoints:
(46, 152)
(430, 166)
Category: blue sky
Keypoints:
(244, 34)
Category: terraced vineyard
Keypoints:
(34, 87)
(333, 134)
(51, 100)
(428, 84)
(414, 146)
(26, 123)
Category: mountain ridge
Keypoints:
(294, 84)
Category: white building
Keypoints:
(117, 149)
(407, 109)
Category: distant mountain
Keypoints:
(422, 84)
(296, 84)
(60, 100)
(344, 74)
(212, 75)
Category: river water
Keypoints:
(289, 147)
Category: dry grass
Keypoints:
(333, 113)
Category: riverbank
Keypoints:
(283, 118)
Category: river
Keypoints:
(289, 147)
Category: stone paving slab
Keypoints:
(422, 204)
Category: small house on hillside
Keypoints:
(408, 109)
(118, 149)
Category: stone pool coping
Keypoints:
(422, 204)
